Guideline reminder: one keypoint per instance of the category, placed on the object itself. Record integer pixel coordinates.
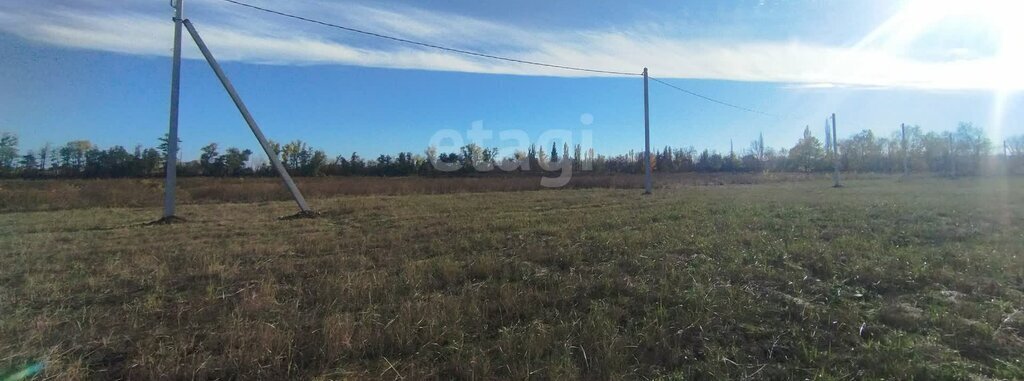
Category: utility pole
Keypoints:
(1006, 157)
(171, 165)
(760, 146)
(906, 152)
(304, 208)
(835, 155)
(952, 157)
(647, 139)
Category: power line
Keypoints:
(491, 56)
(709, 99)
(429, 45)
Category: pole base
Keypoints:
(646, 193)
(301, 214)
(167, 221)
(838, 186)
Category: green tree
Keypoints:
(232, 162)
(1015, 145)
(936, 151)
(29, 164)
(163, 147)
(315, 165)
(72, 155)
(150, 161)
(8, 151)
(431, 153)
(208, 160)
(117, 162)
(531, 156)
(757, 147)
(972, 146)
(472, 156)
(44, 156)
(709, 161)
(296, 155)
(577, 157)
(807, 155)
(862, 152)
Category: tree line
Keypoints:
(963, 151)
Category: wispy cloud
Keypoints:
(237, 34)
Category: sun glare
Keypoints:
(968, 66)
(997, 71)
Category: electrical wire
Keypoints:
(709, 99)
(491, 56)
(429, 45)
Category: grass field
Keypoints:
(29, 195)
(781, 280)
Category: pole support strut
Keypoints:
(274, 160)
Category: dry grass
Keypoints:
(25, 195)
(767, 281)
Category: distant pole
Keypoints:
(647, 140)
(835, 154)
(952, 157)
(760, 146)
(906, 151)
(1006, 157)
(248, 118)
(171, 165)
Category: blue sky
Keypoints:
(99, 70)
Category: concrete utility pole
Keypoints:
(647, 140)
(906, 152)
(171, 165)
(835, 154)
(760, 146)
(249, 120)
(952, 157)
